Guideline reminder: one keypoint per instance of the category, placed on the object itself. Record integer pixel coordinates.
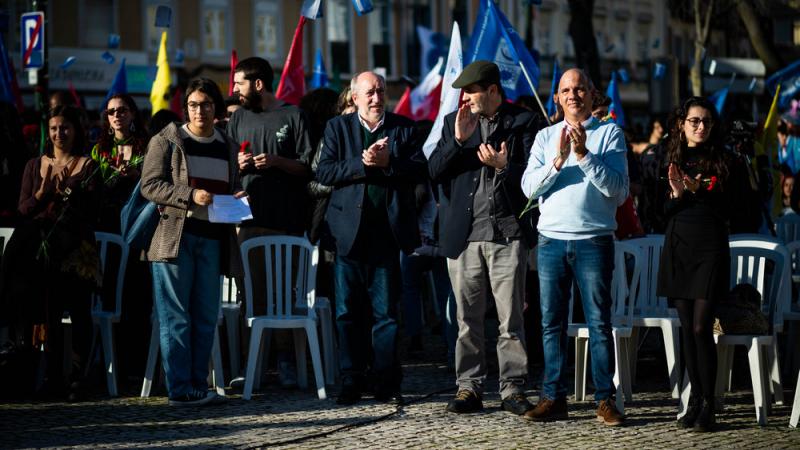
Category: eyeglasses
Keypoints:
(695, 122)
(114, 111)
(204, 105)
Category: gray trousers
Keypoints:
(501, 267)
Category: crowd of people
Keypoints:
(352, 177)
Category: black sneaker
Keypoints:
(193, 398)
(466, 401)
(516, 404)
(349, 395)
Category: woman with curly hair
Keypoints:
(695, 261)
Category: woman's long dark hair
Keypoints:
(140, 136)
(676, 141)
(72, 115)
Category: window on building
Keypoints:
(152, 33)
(267, 29)
(797, 32)
(379, 34)
(97, 21)
(215, 27)
(339, 23)
(460, 14)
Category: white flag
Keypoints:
(450, 96)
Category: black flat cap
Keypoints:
(478, 72)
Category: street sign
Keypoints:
(32, 29)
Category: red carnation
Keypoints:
(711, 183)
(245, 147)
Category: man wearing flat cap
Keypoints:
(480, 160)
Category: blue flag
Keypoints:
(312, 9)
(494, 39)
(615, 108)
(120, 84)
(718, 99)
(659, 71)
(551, 104)
(362, 6)
(789, 79)
(319, 78)
(6, 89)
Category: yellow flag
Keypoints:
(769, 137)
(159, 93)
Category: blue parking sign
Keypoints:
(32, 30)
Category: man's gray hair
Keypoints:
(354, 80)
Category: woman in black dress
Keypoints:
(695, 260)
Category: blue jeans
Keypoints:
(186, 298)
(590, 262)
(362, 288)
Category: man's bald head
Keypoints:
(574, 95)
(368, 90)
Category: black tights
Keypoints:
(699, 350)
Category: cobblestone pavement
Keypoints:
(297, 419)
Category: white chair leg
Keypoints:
(316, 360)
(266, 338)
(216, 364)
(775, 384)
(796, 405)
(686, 392)
(729, 369)
(672, 350)
(107, 337)
(300, 357)
(152, 360)
(581, 346)
(323, 310)
(760, 391)
(231, 315)
(618, 376)
(253, 357)
(625, 368)
(723, 371)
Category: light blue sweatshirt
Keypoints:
(580, 200)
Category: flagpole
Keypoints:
(535, 94)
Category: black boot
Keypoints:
(692, 411)
(706, 420)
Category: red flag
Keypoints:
(293, 81)
(404, 104)
(74, 94)
(15, 87)
(428, 108)
(234, 62)
(176, 104)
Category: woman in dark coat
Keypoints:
(695, 261)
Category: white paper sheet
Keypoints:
(227, 209)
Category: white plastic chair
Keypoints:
(623, 291)
(750, 255)
(787, 227)
(284, 291)
(216, 373)
(104, 320)
(652, 311)
(5, 235)
(791, 314)
(796, 405)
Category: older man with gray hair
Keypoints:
(579, 173)
(370, 159)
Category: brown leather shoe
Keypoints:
(607, 413)
(547, 410)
